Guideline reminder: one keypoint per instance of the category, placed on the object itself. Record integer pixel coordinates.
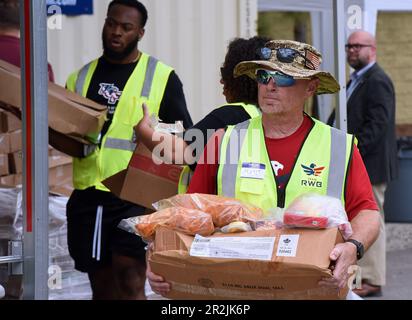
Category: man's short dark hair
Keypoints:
(9, 14)
(133, 4)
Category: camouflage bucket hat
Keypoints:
(296, 59)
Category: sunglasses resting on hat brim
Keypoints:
(285, 55)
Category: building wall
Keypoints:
(394, 45)
(191, 36)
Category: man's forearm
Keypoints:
(65, 144)
(365, 227)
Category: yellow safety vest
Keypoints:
(251, 109)
(186, 173)
(147, 84)
(246, 172)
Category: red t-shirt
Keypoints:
(283, 153)
(10, 52)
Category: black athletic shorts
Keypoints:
(92, 231)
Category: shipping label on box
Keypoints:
(288, 245)
(252, 248)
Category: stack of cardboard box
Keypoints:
(11, 162)
(69, 284)
(70, 114)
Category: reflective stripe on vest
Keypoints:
(232, 158)
(187, 174)
(337, 171)
(236, 137)
(252, 110)
(147, 84)
(81, 78)
(121, 144)
(184, 180)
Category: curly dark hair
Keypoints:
(9, 14)
(242, 89)
(133, 4)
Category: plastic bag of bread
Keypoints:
(236, 226)
(189, 221)
(317, 211)
(222, 209)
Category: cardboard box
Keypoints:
(69, 113)
(55, 152)
(12, 180)
(60, 180)
(59, 160)
(16, 162)
(60, 175)
(4, 165)
(8, 121)
(4, 143)
(16, 139)
(291, 276)
(144, 182)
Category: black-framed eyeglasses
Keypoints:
(356, 46)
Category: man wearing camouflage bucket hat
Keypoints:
(272, 159)
(295, 59)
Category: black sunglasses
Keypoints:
(288, 55)
(285, 55)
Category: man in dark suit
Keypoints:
(371, 118)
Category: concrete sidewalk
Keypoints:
(398, 262)
(398, 276)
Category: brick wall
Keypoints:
(394, 42)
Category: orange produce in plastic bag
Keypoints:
(189, 221)
(222, 209)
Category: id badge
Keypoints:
(253, 170)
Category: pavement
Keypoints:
(398, 276)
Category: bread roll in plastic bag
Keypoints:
(189, 221)
(222, 209)
(317, 211)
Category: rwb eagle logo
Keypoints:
(312, 170)
(110, 92)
